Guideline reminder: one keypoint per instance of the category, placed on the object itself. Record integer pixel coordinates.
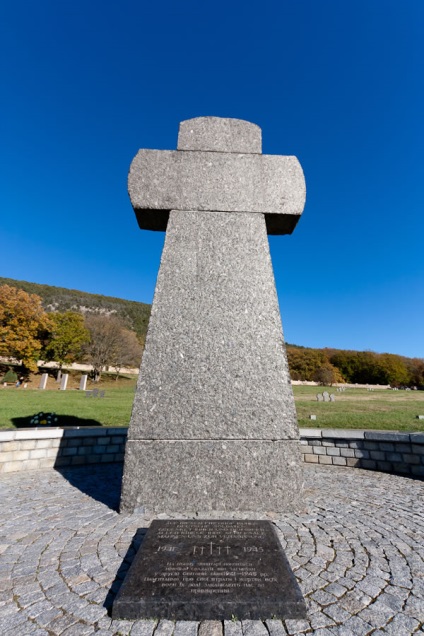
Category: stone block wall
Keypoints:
(29, 449)
(386, 451)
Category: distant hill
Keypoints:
(362, 367)
(135, 314)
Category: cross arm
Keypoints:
(161, 180)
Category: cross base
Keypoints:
(200, 476)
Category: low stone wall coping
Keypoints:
(339, 433)
(310, 432)
(324, 433)
(387, 436)
(377, 436)
(54, 433)
(417, 438)
(85, 432)
(30, 433)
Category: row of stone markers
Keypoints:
(326, 397)
(63, 382)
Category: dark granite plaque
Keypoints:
(210, 570)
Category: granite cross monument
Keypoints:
(213, 425)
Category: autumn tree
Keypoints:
(327, 374)
(23, 325)
(128, 353)
(358, 367)
(367, 367)
(303, 362)
(67, 336)
(109, 344)
(415, 368)
(393, 370)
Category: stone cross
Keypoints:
(213, 425)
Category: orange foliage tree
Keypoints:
(23, 325)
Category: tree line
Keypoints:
(29, 333)
(330, 366)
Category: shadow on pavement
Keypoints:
(101, 482)
(124, 567)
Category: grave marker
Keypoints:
(64, 381)
(83, 383)
(43, 381)
(214, 423)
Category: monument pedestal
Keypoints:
(222, 475)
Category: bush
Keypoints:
(10, 377)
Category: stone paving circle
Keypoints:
(357, 550)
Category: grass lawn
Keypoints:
(17, 406)
(355, 408)
(359, 408)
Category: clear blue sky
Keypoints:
(85, 84)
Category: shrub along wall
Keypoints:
(31, 449)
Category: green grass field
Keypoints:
(359, 408)
(355, 408)
(17, 406)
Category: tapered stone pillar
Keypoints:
(213, 425)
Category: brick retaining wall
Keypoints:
(30, 449)
(376, 450)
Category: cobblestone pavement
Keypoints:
(357, 550)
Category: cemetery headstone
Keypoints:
(210, 570)
(319, 397)
(64, 382)
(213, 425)
(43, 381)
(312, 417)
(332, 397)
(326, 396)
(95, 393)
(83, 383)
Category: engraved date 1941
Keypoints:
(212, 549)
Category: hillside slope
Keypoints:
(135, 314)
